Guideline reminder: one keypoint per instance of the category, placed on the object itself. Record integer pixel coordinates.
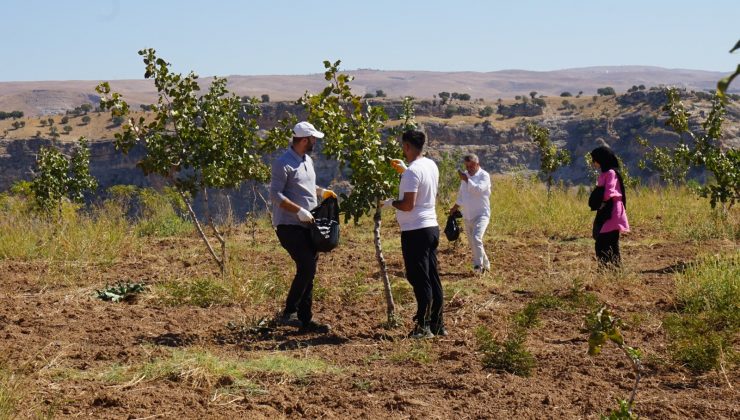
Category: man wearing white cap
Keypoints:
(293, 193)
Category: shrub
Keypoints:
(486, 112)
(509, 356)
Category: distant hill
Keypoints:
(53, 97)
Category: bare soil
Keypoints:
(50, 328)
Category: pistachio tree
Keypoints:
(57, 177)
(194, 141)
(551, 157)
(702, 151)
(355, 138)
(604, 327)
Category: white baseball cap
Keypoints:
(306, 129)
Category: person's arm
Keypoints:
(406, 203)
(409, 186)
(479, 185)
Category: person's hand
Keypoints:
(398, 165)
(305, 216)
(328, 193)
(463, 175)
(387, 203)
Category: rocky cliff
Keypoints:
(500, 142)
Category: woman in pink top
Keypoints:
(611, 219)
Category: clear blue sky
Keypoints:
(98, 39)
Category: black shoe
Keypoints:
(289, 320)
(420, 332)
(316, 327)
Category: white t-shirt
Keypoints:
(421, 177)
(474, 196)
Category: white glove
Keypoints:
(388, 203)
(398, 165)
(305, 216)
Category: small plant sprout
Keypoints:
(604, 326)
(122, 291)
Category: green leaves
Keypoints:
(354, 138)
(724, 83)
(551, 157)
(120, 292)
(197, 142)
(704, 153)
(57, 177)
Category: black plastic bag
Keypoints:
(325, 229)
(452, 228)
(602, 208)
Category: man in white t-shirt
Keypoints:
(474, 196)
(417, 217)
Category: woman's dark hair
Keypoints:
(414, 138)
(607, 160)
(605, 157)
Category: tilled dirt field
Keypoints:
(59, 340)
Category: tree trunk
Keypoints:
(221, 263)
(390, 306)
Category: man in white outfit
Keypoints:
(474, 196)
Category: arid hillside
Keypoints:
(52, 97)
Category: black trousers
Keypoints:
(297, 241)
(419, 249)
(607, 249)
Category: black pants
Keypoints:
(297, 241)
(419, 249)
(607, 249)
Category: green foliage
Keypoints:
(623, 412)
(603, 327)
(606, 91)
(194, 141)
(12, 114)
(57, 177)
(86, 119)
(353, 137)
(265, 98)
(566, 94)
(529, 316)
(161, 214)
(123, 291)
(449, 181)
(704, 152)
(724, 83)
(708, 297)
(487, 111)
(551, 157)
(509, 356)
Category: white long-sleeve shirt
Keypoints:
(474, 195)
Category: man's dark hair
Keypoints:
(414, 138)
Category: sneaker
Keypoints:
(313, 326)
(477, 269)
(289, 320)
(438, 330)
(420, 332)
